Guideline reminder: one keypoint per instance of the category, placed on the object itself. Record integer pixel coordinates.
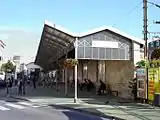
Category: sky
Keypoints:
(21, 21)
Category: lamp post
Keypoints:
(156, 22)
(75, 72)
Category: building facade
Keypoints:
(105, 54)
(152, 45)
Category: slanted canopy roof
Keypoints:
(54, 39)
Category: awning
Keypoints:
(53, 44)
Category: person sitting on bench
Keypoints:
(102, 88)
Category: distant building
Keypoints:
(152, 45)
(31, 67)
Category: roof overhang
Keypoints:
(54, 40)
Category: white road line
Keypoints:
(63, 110)
(4, 108)
(15, 106)
(30, 104)
(25, 103)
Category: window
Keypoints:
(151, 44)
(157, 43)
(141, 84)
(85, 71)
(101, 71)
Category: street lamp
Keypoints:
(156, 22)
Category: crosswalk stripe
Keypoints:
(15, 106)
(25, 103)
(30, 104)
(4, 108)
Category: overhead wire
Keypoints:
(128, 13)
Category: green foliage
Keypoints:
(72, 62)
(8, 67)
(154, 63)
(141, 64)
(155, 54)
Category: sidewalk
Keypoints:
(91, 103)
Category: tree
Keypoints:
(141, 64)
(155, 54)
(8, 67)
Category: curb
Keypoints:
(88, 112)
(20, 98)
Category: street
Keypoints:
(22, 110)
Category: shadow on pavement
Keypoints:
(81, 114)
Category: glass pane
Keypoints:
(95, 53)
(114, 52)
(141, 84)
(108, 53)
(102, 53)
(122, 53)
(101, 70)
(157, 43)
(85, 70)
(88, 52)
(80, 52)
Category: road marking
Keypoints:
(31, 104)
(15, 106)
(25, 103)
(63, 110)
(4, 108)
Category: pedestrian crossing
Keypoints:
(7, 106)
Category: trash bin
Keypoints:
(156, 101)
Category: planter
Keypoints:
(70, 62)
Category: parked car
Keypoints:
(2, 80)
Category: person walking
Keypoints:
(24, 83)
(33, 77)
(20, 86)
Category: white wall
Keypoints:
(138, 55)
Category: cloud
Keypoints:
(20, 42)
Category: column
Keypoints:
(66, 80)
(75, 72)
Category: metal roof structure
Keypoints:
(55, 40)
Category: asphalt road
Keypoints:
(22, 110)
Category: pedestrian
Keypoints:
(34, 81)
(23, 84)
(10, 83)
(20, 86)
(102, 88)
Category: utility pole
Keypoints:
(145, 20)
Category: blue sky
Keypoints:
(28, 17)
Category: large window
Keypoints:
(101, 71)
(157, 43)
(85, 71)
(151, 44)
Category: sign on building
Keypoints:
(153, 82)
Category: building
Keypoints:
(152, 45)
(105, 54)
(31, 67)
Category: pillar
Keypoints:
(75, 72)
